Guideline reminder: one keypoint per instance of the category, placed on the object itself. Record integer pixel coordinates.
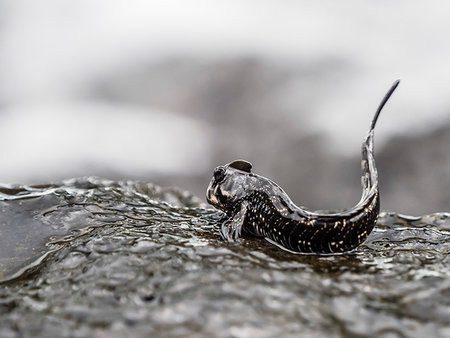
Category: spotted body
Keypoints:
(256, 205)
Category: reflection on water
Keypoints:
(92, 257)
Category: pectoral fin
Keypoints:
(232, 227)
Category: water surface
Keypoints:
(91, 257)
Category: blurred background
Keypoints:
(165, 91)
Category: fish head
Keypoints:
(229, 185)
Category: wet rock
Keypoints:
(128, 258)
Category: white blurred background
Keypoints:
(167, 90)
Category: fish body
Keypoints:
(258, 206)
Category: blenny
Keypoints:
(257, 206)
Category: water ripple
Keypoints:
(92, 257)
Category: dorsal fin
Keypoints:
(241, 165)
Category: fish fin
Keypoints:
(369, 179)
(231, 229)
(241, 165)
(383, 102)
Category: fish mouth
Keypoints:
(211, 197)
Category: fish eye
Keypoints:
(219, 174)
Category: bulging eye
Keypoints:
(219, 174)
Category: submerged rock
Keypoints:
(91, 257)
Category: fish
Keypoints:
(255, 205)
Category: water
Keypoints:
(91, 257)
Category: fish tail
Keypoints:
(369, 177)
(383, 102)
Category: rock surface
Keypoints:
(97, 258)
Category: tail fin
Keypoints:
(383, 102)
(369, 179)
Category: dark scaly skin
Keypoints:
(257, 206)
